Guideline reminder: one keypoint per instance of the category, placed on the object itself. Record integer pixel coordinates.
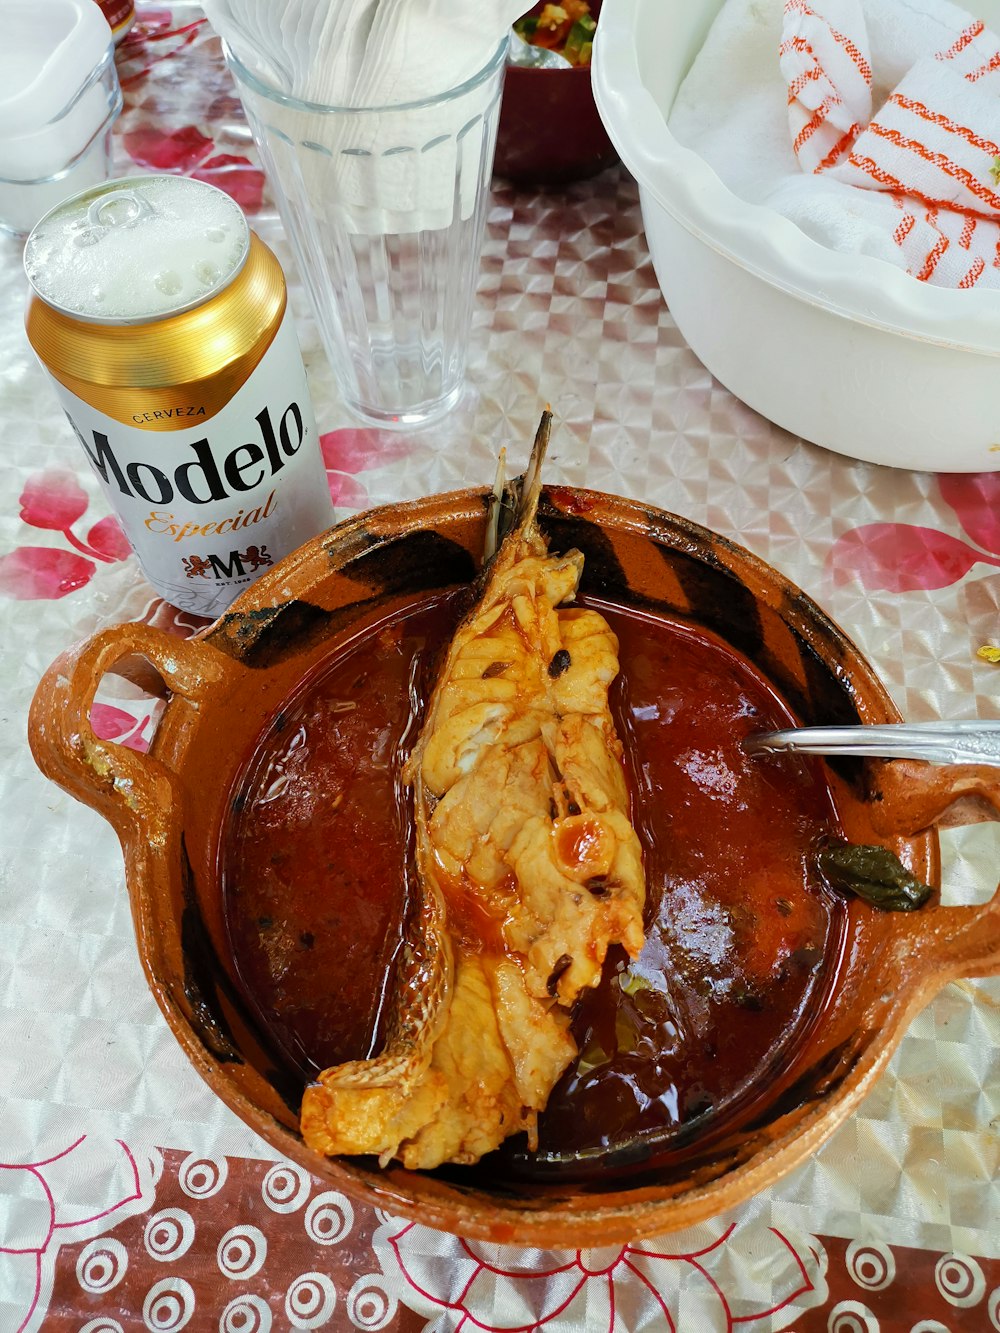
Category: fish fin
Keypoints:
(530, 484)
(514, 503)
(498, 521)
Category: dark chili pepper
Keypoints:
(874, 874)
(562, 963)
(560, 663)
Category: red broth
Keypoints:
(741, 944)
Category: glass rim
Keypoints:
(254, 82)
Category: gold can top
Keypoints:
(140, 374)
(137, 250)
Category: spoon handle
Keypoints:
(939, 742)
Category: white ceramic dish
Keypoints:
(842, 350)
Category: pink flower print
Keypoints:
(902, 557)
(45, 1211)
(672, 1285)
(975, 498)
(346, 492)
(53, 501)
(240, 179)
(187, 151)
(114, 724)
(354, 449)
(129, 704)
(107, 540)
(153, 39)
(179, 150)
(41, 573)
(895, 557)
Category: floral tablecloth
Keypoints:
(130, 1198)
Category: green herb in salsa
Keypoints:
(566, 27)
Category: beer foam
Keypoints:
(137, 249)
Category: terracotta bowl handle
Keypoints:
(123, 785)
(910, 796)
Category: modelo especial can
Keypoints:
(164, 324)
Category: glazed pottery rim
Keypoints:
(384, 1189)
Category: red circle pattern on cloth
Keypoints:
(246, 1246)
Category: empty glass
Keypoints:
(385, 209)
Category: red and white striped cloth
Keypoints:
(930, 142)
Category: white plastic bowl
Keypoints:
(843, 350)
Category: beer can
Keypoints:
(163, 322)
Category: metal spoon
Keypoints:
(523, 54)
(940, 742)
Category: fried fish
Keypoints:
(528, 864)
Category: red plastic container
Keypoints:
(550, 132)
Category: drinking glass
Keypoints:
(385, 208)
(60, 152)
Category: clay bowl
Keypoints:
(169, 805)
(550, 132)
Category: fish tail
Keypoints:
(514, 503)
